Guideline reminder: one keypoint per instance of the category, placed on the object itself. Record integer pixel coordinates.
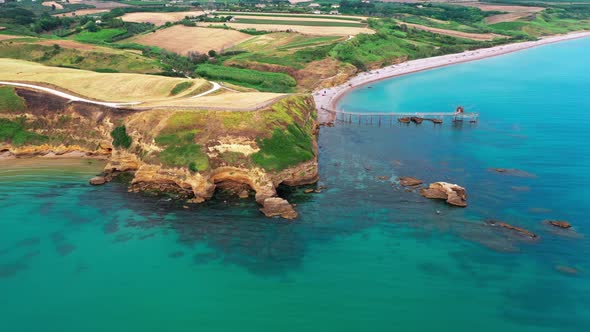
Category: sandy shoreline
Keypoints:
(326, 99)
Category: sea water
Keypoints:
(365, 254)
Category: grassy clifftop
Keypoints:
(274, 138)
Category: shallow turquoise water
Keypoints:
(365, 254)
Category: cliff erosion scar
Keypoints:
(189, 154)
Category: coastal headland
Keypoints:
(326, 100)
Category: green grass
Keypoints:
(102, 36)
(283, 149)
(182, 151)
(99, 60)
(313, 41)
(263, 81)
(180, 87)
(120, 137)
(10, 101)
(14, 132)
(303, 23)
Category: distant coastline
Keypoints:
(327, 99)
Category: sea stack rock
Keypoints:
(452, 193)
(276, 206)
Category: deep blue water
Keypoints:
(365, 253)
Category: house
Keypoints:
(334, 12)
(98, 22)
(335, 6)
(260, 5)
(317, 12)
(314, 5)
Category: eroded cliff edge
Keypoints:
(187, 153)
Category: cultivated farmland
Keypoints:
(239, 101)
(158, 19)
(181, 39)
(304, 29)
(99, 86)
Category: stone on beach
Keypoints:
(452, 193)
(278, 207)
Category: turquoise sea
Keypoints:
(365, 255)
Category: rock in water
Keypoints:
(407, 181)
(559, 223)
(519, 230)
(98, 180)
(452, 193)
(276, 206)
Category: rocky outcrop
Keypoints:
(225, 148)
(278, 207)
(516, 229)
(453, 194)
(408, 181)
(512, 172)
(559, 223)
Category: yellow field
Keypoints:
(307, 30)
(158, 18)
(295, 18)
(83, 12)
(182, 39)
(99, 86)
(221, 101)
(260, 15)
(50, 3)
(5, 37)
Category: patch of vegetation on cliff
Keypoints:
(262, 81)
(182, 151)
(180, 87)
(10, 101)
(14, 132)
(120, 137)
(284, 133)
(284, 149)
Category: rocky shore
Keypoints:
(82, 130)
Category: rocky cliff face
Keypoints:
(187, 153)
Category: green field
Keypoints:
(262, 81)
(309, 41)
(104, 35)
(99, 59)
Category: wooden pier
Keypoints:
(388, 119)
